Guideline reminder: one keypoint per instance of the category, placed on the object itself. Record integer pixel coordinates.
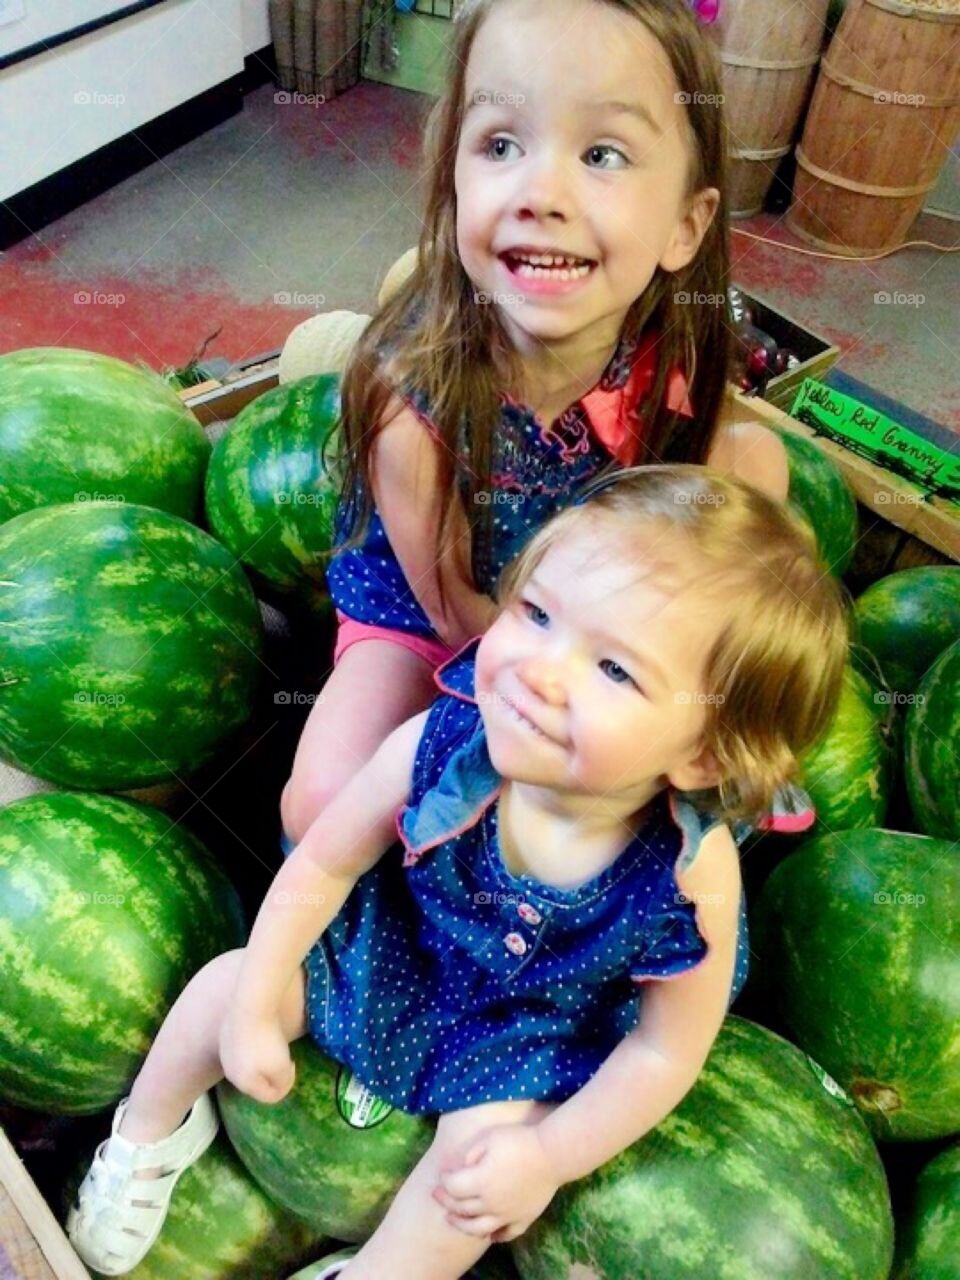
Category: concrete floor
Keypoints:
(320, 201)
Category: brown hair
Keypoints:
(453, 353)
(775, 671)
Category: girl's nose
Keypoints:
(545, 190)
(542, 674)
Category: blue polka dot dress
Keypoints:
(446, 981)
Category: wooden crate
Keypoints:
(817, 355)
(899, 529)
(32, 1243)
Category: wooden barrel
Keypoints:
(884, 113)
(769, 53)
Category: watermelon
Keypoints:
(763, 1172)
(906, 620)
(932, 748)
(495, 1265)
(928, 1238)
(819, 493)
(848, 772)
(858, 937)
(269, 496)
(329, 1152)
(76, 426)
(221, 1226)
(129, 645)
(106, 911)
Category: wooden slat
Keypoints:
(220, 401)
(36, 1247)
(889, 496)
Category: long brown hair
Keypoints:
(453, 352)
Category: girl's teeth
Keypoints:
(541, 273)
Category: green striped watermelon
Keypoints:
(337, 1174)
(106, 912)
(932, 748)
(129, 645)
(928, 1238)
(76, 426)
(847, 773)
(763, 1172)
(269, 496)
(858, 939)
(906, 620)
(495, 1265)
(221, 1226)
(822, 496)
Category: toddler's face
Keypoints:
(540, 162)
(590, 682)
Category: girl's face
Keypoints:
(590, 681)
(548, 159)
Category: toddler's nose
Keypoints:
(543, 676)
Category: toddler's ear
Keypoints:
(700, 773)
(688, 234)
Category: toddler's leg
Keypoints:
(374, 687)
(415, 1241)
(184, 1060)
(166, 1124)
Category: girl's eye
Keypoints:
(492, 142)
(535, 613)
(613, 151)
(615, 671)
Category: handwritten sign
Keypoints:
(872, 435)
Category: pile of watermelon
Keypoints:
(136, 563)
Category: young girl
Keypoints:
(663, 651)
(488, 391)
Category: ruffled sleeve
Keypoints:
(672, 941)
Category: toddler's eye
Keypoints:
(492, 141)
(535, 613)
(615, 671)
(613, 151)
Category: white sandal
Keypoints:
(119, 1216)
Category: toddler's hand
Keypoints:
(502, 1183)
(255, 1057)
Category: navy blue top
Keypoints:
(535, 472)
(446, 981)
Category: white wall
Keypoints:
(59, 106)
(256, 25)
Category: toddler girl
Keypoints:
(586, 134)
(546, 954)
